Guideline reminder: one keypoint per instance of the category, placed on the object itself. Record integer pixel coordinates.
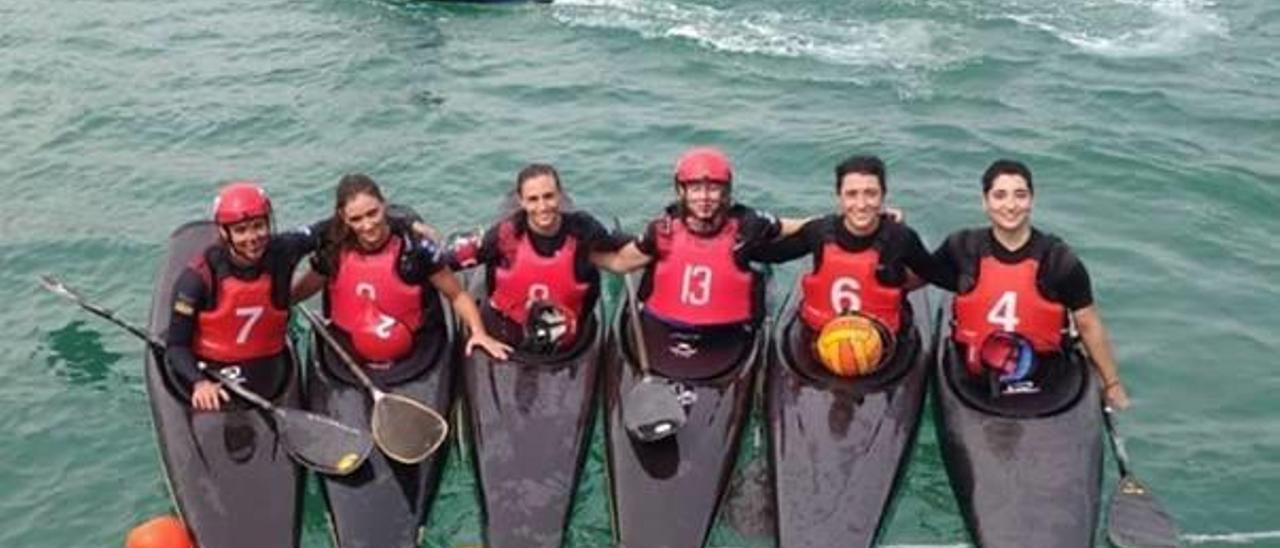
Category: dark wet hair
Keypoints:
(339, 237)
(511, 202)
(536, 170)
(864, 165)
(1006, 167)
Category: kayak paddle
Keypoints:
(1135, 518)
(405, 429)
(315, 441)
(653, 409)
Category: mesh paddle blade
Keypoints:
(1137, 520)
(323, 444)
(406, 430)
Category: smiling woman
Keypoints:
(542, 253)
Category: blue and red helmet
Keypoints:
(1008, 354)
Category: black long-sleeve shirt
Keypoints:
(899, 243)
(192, 295)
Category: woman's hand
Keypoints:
(895, 214)
(1116, 396)
(208, 396)
(494, 347)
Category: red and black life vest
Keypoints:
(993, 295)
(244, 322)
(526, 277)
(847, 281)
(370, 300)
(696, 280)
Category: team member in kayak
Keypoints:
(541, 294)
(231, 305)
(540, 255)
(382, 281)
(1012, 277)
(676, 403)
(863, 261)
(698, 252)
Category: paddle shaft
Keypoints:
(637, 331)
(59, 288)
(342, 352)
(1117, 442)
(633, 311)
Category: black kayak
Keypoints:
(665, 494)
(1026, 469)
(839, 447)
(529, 420)
(232, 482)
(384, 503)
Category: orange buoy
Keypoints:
(164, 531)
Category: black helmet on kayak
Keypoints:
(549, 328)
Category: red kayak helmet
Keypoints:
(239, 201)
(704, 164)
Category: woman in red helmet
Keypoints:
(382, 282)
(698, 254)
(231, 306)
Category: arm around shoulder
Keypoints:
(622, 261)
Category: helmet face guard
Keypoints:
(549, 329)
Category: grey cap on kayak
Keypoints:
(653, 409)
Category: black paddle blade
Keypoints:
(406, 430)
(321, 443)
(1137, 520)
(652, 410)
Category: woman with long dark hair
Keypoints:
(382, 280)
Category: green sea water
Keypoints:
(1153, 127)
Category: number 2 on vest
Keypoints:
(1005, 312)
(696, 287)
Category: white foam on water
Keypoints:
(1124, 28)
(1232, 538)
(898, 43)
